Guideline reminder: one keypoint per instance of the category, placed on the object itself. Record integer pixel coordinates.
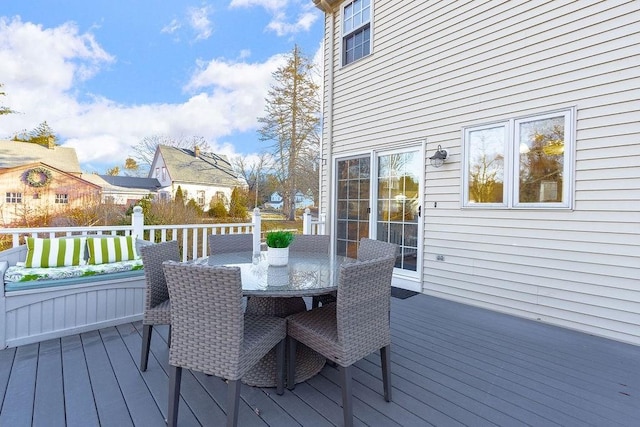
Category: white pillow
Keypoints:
(103, 250)
(55, 252)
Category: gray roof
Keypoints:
(151, 184)
(16, 153)
(207, 168)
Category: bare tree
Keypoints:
(144, 151)
(291, 123)
(255, 174)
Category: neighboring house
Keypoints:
(201, 176)
(124, 190)
(35, 179)
(302, 201)
(535, 210)
(38, 188)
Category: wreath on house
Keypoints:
(38, 177)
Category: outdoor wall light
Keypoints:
(439, 157)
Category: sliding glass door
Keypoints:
(392, 180)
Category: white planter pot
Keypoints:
(278, 256)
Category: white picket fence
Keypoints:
(192, 236)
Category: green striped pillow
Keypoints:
(55, 252)
(103, 250)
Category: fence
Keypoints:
(192, 237)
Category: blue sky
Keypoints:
(106, 74)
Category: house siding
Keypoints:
(437, 67)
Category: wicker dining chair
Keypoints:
(211, 334)
(367, 249)
(371, 249)
(229, 243)
(157, 308)
(352, 328)
(310, 243)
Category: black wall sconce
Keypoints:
(439, 157)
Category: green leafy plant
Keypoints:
(279, 238)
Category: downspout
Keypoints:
(329, 120)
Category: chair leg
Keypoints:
(146, 343)
(233, 402)
(291, 363)
(385, 361)
(347, 393)
(280, 354)
(175, 376)
(315, 302)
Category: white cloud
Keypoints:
(171, 27)
(200, 22)
(281, 11)
(222, 96)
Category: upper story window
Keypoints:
(200, 196)
(520, 163)
(62, 198)
(356, 30)
(164, 173)
(157, 173)
(13, 197)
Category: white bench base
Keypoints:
(35, 315)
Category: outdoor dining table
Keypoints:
(279, 291)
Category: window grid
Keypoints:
(356, 30)
(62, 198)
(13, 197)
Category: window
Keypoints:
(356, 30)
(520, 163)
(164, 173)
(200, 194)
(13, 197)
(157, 173)
(62, 198)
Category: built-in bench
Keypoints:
(40, 303)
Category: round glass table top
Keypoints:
(306, 274)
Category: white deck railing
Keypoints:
(193, 237)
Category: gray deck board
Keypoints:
(451, 365)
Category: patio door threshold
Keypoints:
(408, 283)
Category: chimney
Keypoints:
(51, 142)
(196, 151)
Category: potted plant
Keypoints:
(278, 247)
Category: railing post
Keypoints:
(323, 223)
(137, 222)
(306, 222)
(256, 230)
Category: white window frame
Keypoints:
(511, 171)
(344, 34)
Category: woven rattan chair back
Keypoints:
(229, 243)
(364, 294)
(157, 307)
(310, 243)
(371, 249)
(207, 318)
(156, 286)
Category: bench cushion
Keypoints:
(55, 252)
(111, 249)
(21, 277)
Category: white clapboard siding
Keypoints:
(437, 67)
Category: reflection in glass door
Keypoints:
(398, 204)
(352, 216)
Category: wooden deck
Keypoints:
(452, 365)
